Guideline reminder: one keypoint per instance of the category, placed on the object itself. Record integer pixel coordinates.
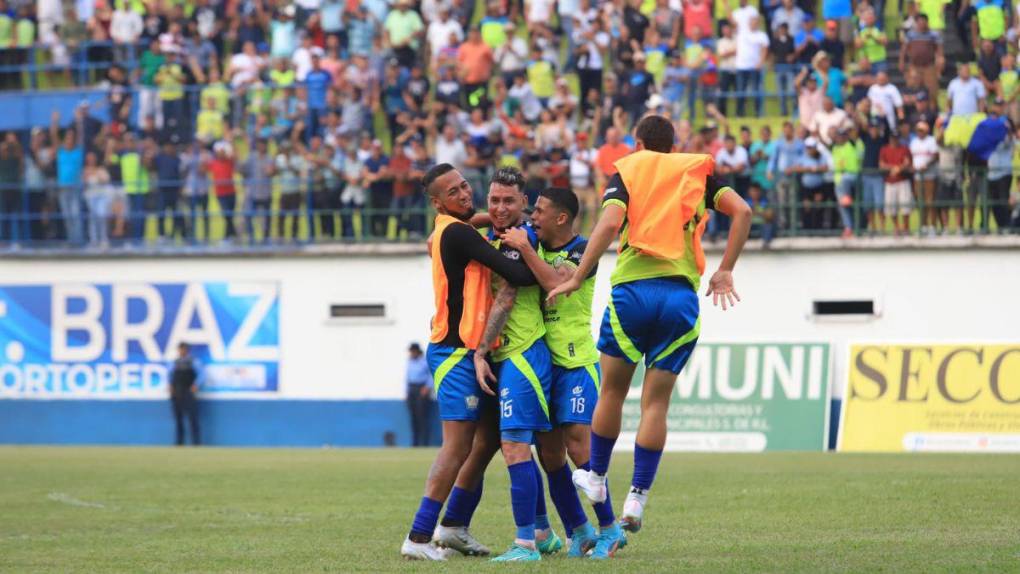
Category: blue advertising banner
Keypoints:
(117, 340)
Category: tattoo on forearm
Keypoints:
(498, 317)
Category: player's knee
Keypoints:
(553, 456)
(516, 445)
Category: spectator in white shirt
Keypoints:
(741, 17)
(886, 99)
(830, 120)
(752, 51)
(924, 152)
(512, 57)
(733, 164)
(966, 93)
(125, 28)
(450, 149)
(440, 32)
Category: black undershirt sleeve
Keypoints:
(472, 246)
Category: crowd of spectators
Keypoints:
(280, 120)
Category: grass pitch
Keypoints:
(203, 510)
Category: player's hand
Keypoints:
(720, 287)
(517, 238)
(483, 373)
(565, 288)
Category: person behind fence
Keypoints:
(221, 170)
(194, 167)
(185, 378)
(258, 176)
(419, 395)
(167, 165)
(99, 196)
(763, 217)
(894, 160)
(11, 204)
(70, 161)
(847, 165)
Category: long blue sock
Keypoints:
(476, 498)
(601, 450)
(564, 497)
(541, 513)
(603, 510)
(522, 498)
(426, 517)
(459, 507)
(646, 463)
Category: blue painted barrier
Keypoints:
(224, 422)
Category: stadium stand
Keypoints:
(144, 123)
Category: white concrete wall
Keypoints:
(922, 295)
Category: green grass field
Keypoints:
(227, 510)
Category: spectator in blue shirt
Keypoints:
(807, 42)
(317, 85)
(70, 161)
(361, 27)
(419, 395)
(812, 166)
(785, 154)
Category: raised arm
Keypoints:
(605, 230)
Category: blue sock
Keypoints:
(601, 450)
(646, 463)
(603, 510)
(522, 498)
(459, 507)
(564, 497)
(426, 517)
(476, 498)
(541, 513)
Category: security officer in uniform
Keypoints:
(183, 386)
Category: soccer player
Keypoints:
(658, 201)
(461, 264)
(575, 372)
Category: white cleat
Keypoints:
(458, 538)
(422, 551)
(593, 485)
(633, 509)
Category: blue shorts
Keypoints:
(574, 394)
(524, 381)
(457, 391)
(658, 319)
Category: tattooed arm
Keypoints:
(498, 316)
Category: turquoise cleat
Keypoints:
(551, 545)
(518, 553)
(607, 544)
(583, 540)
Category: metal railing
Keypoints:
(174, 214)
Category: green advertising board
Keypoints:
(744, 397)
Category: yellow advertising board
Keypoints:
(936, 398)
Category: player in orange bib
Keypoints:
(461, 263)
(659, 203)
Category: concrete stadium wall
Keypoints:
(341, 380)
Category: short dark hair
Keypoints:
(510, 177)
(656, 133)
(564, 199)
(435, 172)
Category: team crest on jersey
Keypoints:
(577, 390)
(505, 392)
(471, 401)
